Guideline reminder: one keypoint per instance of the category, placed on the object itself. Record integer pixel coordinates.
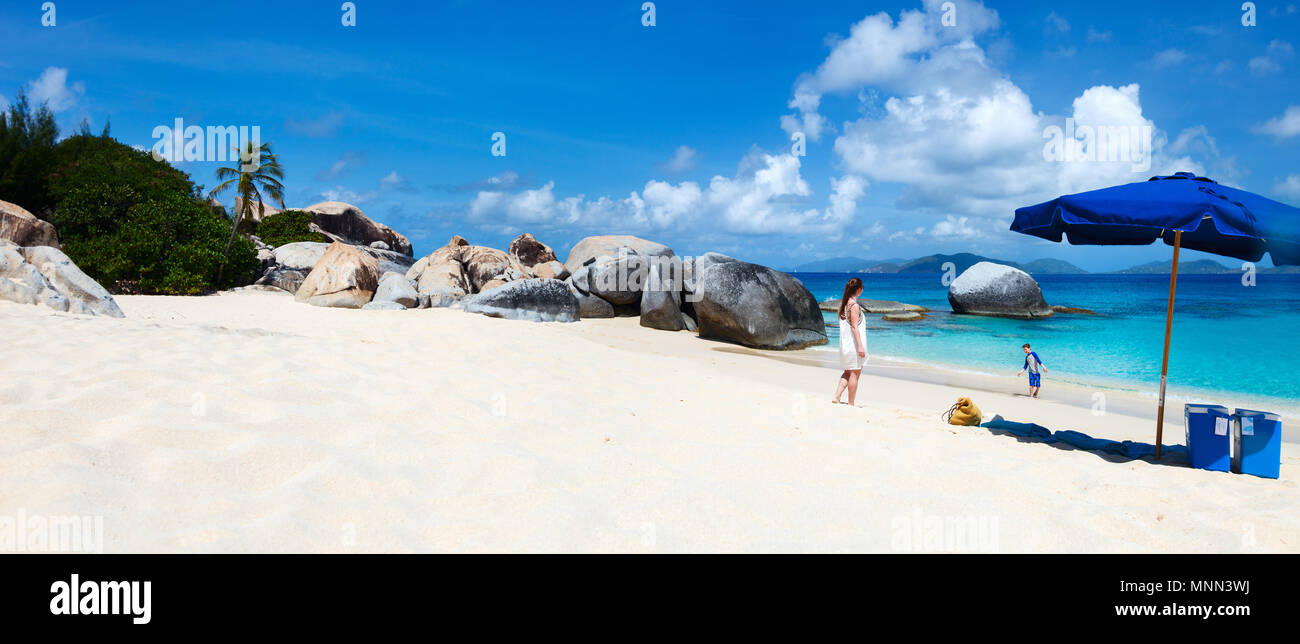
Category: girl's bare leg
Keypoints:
(844, 383)
(853, 385)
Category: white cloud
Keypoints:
(845, 193)
(339, 193)
(1056, 23)
(1282, 127)
(665, 204)
(960, 136)
(1099, 36)
(395, 182)
(1261, 65)
(506, 179)
(529, 206)
(4, 103)
(52, 89)
(767, 195)
(955, 228)
(904, 56)
(1168, 58)
(1289, 187)
(349, 159)
(325, 126)
(936, 117)
(1278, 52)
(683, 161)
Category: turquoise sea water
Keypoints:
(1227, 338)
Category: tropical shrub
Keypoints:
(138, 225)
(287, 227)
(26, 155)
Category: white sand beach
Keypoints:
(245, 422)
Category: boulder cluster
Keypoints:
(43, 275)
(367, 265)
(605, 276)
(33, 269)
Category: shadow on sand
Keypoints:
(1107, 450)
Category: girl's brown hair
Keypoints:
(849, 290)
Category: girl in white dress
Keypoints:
(853, 340)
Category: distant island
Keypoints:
(1196, 267)
(1045, 266)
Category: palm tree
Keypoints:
(250, 183)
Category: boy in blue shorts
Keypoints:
(1034, 365)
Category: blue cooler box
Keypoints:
(1257, 442)
(1208, 436)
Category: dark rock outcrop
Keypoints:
(25, 229)
(754, 305)
(661, 299)
(347, 223)
(539, 300)
(530, 252)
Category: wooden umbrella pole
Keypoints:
(1169, 327)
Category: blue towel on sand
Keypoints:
(1129, 449)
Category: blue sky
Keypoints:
(921, 136)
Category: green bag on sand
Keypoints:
(963, 412)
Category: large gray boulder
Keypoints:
(345, 277)
(25, 229)
(486, 268)
(285, 279)
(347, 223)
(661, 299)
(754, 305)
(289, 264)
(44, 275)
(300, 255)
(439, 276)
(304, 255)
(440, 297)
(395, 288)
(696, 266)
(589, 306)
(997, 290)
(550, 270)
(591, 248)
(592, 307)
(539, 300)
(618, 279)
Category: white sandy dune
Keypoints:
(247, 422)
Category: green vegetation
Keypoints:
(288, 227)
(26, 155)
(133, 223)
(138, 225)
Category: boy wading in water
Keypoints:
(1033, 364)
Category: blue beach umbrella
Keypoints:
(1184, 210)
